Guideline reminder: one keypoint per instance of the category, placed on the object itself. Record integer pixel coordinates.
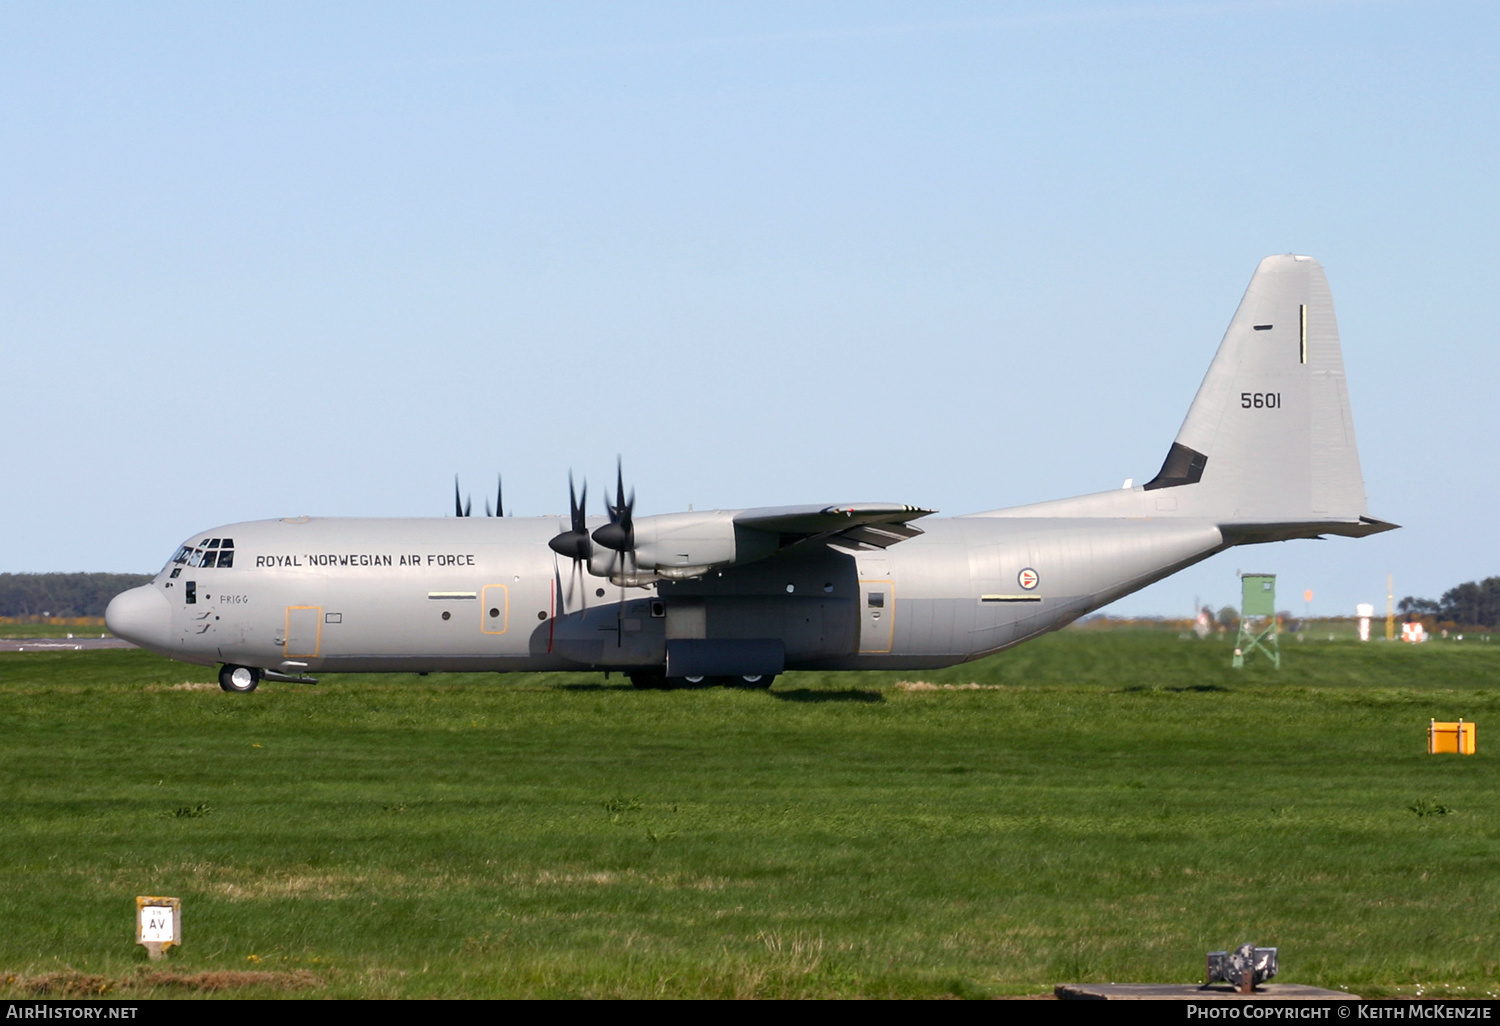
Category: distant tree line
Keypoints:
(63, 594)
(1473, 603)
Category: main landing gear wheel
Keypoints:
(755, 681)
(242, 679)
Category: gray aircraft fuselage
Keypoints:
(483, 594)
(1266, 453)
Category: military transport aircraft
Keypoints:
(1266, 453)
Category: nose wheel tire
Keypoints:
(241, 679)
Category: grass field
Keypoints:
(1108, 806)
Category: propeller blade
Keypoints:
(619, 533)
(574, 543)
(578, 509)
(458, 509)
(487, 508)
(469, 507)
(499, 496)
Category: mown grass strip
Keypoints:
(1108, 807)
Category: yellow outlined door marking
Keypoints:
(497, 599)
(305, 625)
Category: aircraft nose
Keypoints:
(141, 615)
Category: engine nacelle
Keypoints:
(679, 546)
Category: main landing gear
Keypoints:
(242, 679)
(661, 682)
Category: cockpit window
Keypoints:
(207, 553)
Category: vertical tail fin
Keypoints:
(1267, 449)
(1269, 437)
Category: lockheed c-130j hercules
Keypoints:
(1266, 453)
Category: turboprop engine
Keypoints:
(675, 547)
(682, 546)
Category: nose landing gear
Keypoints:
(242, 679)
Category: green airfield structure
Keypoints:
(1258, 621)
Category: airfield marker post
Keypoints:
(158, 925)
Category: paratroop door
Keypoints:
(304, 631)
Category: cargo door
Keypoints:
(304, 632)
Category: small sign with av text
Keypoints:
(158, 924)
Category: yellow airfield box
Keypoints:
(1450, 738)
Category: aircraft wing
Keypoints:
(876, 524)
(682, 546)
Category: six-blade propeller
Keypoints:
(577, 543)
(619, 533)
(465, 507)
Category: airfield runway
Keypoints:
(60, 644)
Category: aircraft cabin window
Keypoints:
(877, 600)
(190, 595)
(226, 558)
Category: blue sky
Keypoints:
(262, 260)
